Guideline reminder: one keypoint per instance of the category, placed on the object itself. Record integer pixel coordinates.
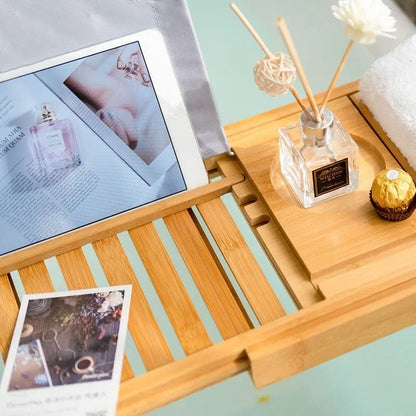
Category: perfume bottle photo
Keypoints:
(54, 141)
(319, 160)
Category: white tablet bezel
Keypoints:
(167, 91)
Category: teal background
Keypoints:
(230, 52)
(377, 379)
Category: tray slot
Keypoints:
(220, 299)
(228, 167)
(256, 214)
(244, 193)
(290, 271)
(145, 331)
(243, 264)
(77, 273)
(170, 289)
(9, 309)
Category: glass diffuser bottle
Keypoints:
(319, 160)
(54, 141)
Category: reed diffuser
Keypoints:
(317, 156)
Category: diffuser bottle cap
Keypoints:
(317, 133)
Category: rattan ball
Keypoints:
(275, 75)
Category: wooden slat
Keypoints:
(168, 285)
(78, 275)
(9, 310)
(36, 279)
(243, 264)
(116, 224)
(221, 301)
(347, 322)
(75, 268)
(142, 324)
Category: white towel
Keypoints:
(388, 88)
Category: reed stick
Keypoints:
(287, 38)
(336, 76)
(300, 102)
(251, 29)
(267, 51)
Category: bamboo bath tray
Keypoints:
(351, 274)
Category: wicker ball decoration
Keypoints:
(275, 75)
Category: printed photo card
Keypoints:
(66, 353)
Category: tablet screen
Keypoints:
(81, 141)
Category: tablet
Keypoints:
(89, 135)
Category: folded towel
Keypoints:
(388, 88)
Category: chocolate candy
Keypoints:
(394, 189)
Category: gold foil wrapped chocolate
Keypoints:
(393, 194)
(393, 188)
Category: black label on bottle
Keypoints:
(330, 177)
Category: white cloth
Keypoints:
(33, 30)
(388, 88)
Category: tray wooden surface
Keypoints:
(365, 288)
(334, 236)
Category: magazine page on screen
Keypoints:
(81, 142)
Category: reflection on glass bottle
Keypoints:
(54, 141)
(318, 160)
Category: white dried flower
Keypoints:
(104, 307)
(115, 298)
(365, 19)
(111, 300)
